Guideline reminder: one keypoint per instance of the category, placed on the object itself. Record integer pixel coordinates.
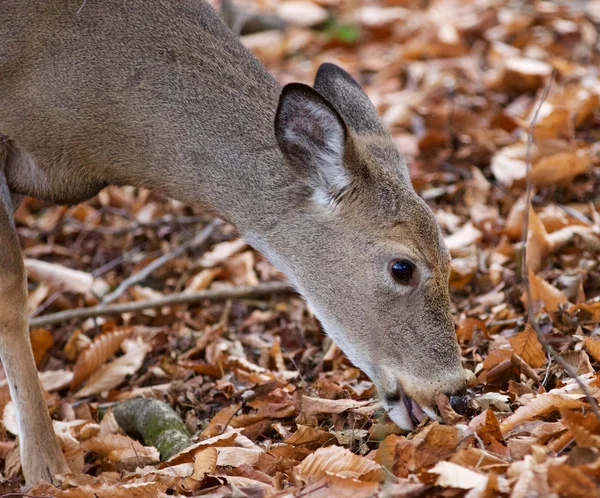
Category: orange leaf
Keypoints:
(467, 327)
(496, 357)
(306, 435)
(99, 351)
(205, 462)
(542, 291)
(486, 426)
(41, 342)
(538, 244)
(593, 346)
(593, 308)
(570, 481)
(559, 167)
(336, 460)
(344, 487)
(541, 405)
(528, 347)
(514, 221)
(585, 429)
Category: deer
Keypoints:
(162, 95)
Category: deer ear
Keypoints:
(349, 99)
(312, 137)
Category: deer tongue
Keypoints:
(415, 412)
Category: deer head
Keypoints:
(363, 248)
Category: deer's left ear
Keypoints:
(346, 95)
(312, 137)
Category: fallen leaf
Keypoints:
(115, 372)
(544, 292)
(527, 346)
(314, 406)
(338, 461)
(538, 244)
(560, 167)
(54, 380)
(221, 252)
(542, 405)
(486, 426)
(103, 347)
(333, 485)
(310, 436)
(593, 346)
(464, 237)
(66, 279)
(41, 342)
(454, 476)
(205, 462)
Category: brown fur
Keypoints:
(160, 94)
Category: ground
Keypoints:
(273, 407)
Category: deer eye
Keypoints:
(402, 271)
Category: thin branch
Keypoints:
(247, 292)
(525, 268)
(136, 278)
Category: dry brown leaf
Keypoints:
(478, 459)
(203, 279)
(205, 462)
(495, 357)
(566, 480)
(102, 348)
(219, 441)
(404, 457)
(240, 269)
(236, 457)
(331, 485)
(452, 475)
(41, 342)
(219, 421)
(467, 327)
(306, 435)
(585, 429)
(221, 252)
(508, 164)
(67, 279)
(103, 445)
(593, 308)
(447, 413)
(593, 346)
(464, 237)
(53, 380)
(546, 293)
(314, 406)
(336, 460)
(559, 167)
(527, 346)
(515, 219)
(115, 372)
(486, 426)
(301, 13)
(538, 244)
(542, 405)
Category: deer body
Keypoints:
(160, 94)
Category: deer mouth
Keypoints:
(414, 410)
(404, 410)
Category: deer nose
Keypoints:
(460, 401)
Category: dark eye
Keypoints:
(403, 271)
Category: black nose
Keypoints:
(460, 402)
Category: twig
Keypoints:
(158, 262)
(524, 267)
(259, 290)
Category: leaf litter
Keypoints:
(274, 408)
